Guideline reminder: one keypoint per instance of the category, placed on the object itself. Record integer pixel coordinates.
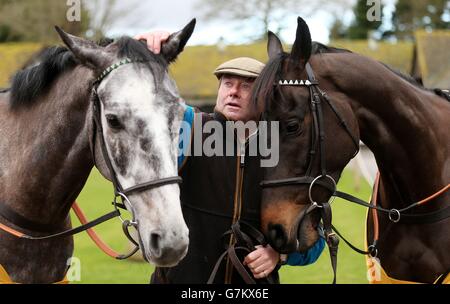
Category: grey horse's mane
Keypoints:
(36, 79)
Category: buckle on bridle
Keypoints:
(316, 205)
(121, 205)
(314, 181)
(373, 251)
(332, 239)
(394, 215)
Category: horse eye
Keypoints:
(293, 127)
(113, 122)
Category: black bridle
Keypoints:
(317, 143)
(318, 136)
(119, 191)
(98, 128)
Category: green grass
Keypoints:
(96, 267)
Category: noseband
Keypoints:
(317, 142)
(119, 191)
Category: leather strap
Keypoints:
(11, 216)
(245, 241)
(330, 237)
(153, 184)
(422, 218)
(78, 229)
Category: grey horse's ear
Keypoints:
(86, 51)
(274, 46)
(176, 42)
(301, 49)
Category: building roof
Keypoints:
(431, 62)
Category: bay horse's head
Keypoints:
(136, 122)
(308, 165)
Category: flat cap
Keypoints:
(241, 66)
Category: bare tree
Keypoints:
(105, 14)
(34, 20)
(266, 14)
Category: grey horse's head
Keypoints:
(141, 114)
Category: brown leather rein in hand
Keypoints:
(246, 240)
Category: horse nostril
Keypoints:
(155, 243)
(277, 236)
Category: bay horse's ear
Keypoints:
(301, 50)
(86, 51)
(176, 42)
(274, 46)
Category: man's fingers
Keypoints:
(255, 267)
(164, 36)
(252, 256)
(139, 37)
(262, 271)
(154, 40)
(158, 41)
(151, 43)
(157, 44)
(263, 267)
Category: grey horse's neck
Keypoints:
(44, 164)
(47, 159)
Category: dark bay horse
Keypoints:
(50, 139)
(325, 100)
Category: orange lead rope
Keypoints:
(425, 200)
(11, 231)
(374, 211)
(375, 198)
(92, 234)
(443, 278)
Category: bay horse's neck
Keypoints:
(406, 127)
(49, 150)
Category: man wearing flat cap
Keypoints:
(218, 191)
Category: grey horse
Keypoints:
(48, 148)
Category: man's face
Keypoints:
(233, 98)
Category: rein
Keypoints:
(119, 192)
(246, 240)
(394, 215)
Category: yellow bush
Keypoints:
(398, 55)
(193, 70)
(12, 57)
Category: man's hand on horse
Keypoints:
(154, 39)
(262, 261)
